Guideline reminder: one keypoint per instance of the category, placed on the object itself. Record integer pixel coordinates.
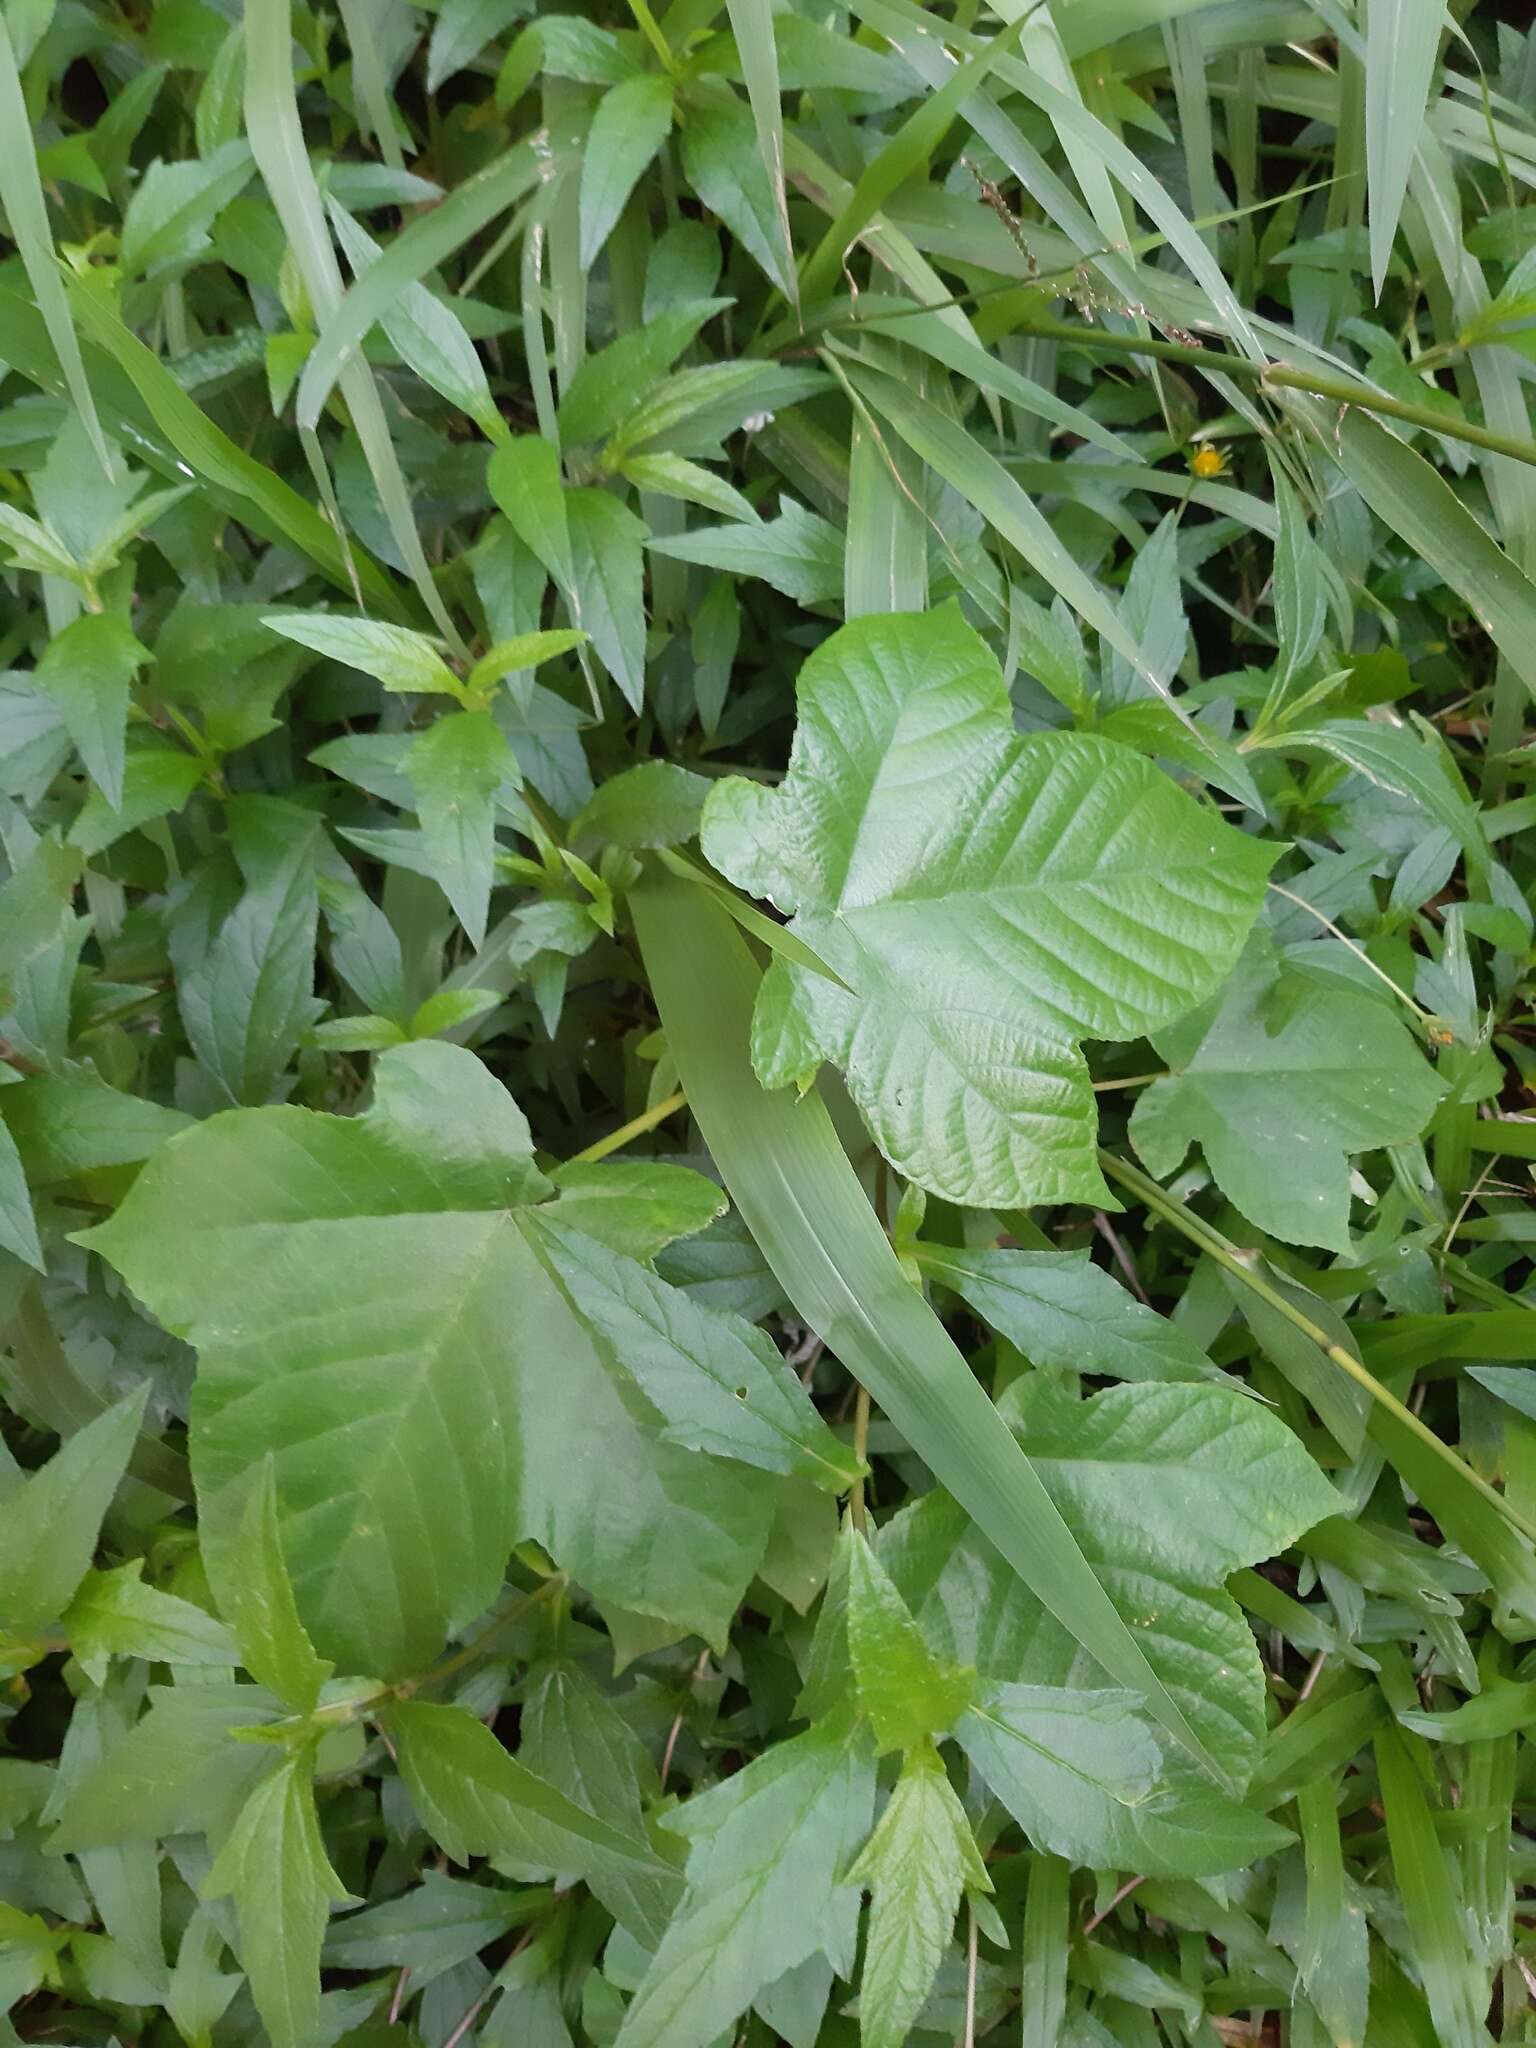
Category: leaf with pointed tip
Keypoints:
(49, 1526)
(915, 1866)
(114, 1614)
(1083, 1775)
(1066, 1313)
(631, 123)
(274, 1866)
(1278, 1099)
(989, 900)
(1168, 1488)
(476, 1800)
(234, 1236)
(909, 1694)
(87, 671)
(455, 769)
(766, 1887)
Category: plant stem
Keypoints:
(523, 1605)
(1240, 1265)
(860, 1451)
(1287, 378)
(637, 1127)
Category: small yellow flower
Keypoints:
(1208, 461)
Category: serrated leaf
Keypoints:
(606, 541)
(455, 769)
(635, 1206)
(717, 1382)
(765, 1886)
(909, 1694)
(1277, 1109)
(256, 1593)
(916, 1865)
(989, 900)
(476, 1800)
(655, 803)
(274, 1866)
(395, 656)
(113, 1614)
(1082, 1775)
(1168, 1488)
(798, 553)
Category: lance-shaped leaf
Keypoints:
(915, 1866)
(907, 1692)
(989, 900)
(450, 1368)
(273, 1864)
(50, 1524)
(476, 1800)
(765, 1885)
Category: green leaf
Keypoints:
(766, 1890)
(49, 1526)
(1168, 1489)
(1454, 1987)
(1066, 1313)
(1036, 891)
(233, 1237)
(87, 670)
(256, 1593)
(35, 903)
(455, 769)
(674, 477)
(629, 126)
(524, 476)
(166, 222)
(579, 1742)
(909, 1694)
(1080, 1773)
(915, 1866)
(606, 542)
(70, 1124)
(797, 553)
(18, 1226)
(113, 1614)
(247, 1002)
(724, 164)
(424, 331)
(1402, 41)
(799, 1197)
(718, 1384)
(393, 655)
(655, 803)
(635, 1206)
(609, 383)
(1279, 1085)
(274, 1866)
(476, 1800)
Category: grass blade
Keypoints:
(419, 247)
(752, 26)
(277, 141)
(788, 1174)
(1402, 38)
(22, 190)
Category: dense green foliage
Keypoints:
(765, 977)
